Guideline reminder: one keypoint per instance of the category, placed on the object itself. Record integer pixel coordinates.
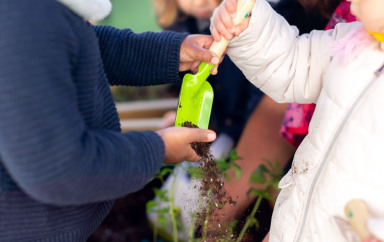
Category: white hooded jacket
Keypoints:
(342, 157)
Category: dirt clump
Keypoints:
(212, 191)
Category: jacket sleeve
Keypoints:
(45, 144)
(287, 67)
(147, 58)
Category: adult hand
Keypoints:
(177, 141)
(194, 49)
(222, 21)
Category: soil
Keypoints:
(127, 221)
(212, 189)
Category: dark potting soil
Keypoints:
(127, 221)
(212, 183)
(212, 189)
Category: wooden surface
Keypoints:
(144, 115)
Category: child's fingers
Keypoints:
(198, 135)
(193, 156)
(225, 26)
(215, 69)
(231, 7)
(195, 67)
(242, 26)
(370, 239)
(215, 34)
(222, 29)
(202, 135)
(226, 19)
(206, 56)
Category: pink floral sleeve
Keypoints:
(297, 116)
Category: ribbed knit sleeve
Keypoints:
(54, 143)
(147, 58)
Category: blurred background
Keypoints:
(139, 16)
(125, 14)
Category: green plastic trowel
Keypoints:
(196, 95)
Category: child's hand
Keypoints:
(178, 141)
(194, 50)
(222, 23)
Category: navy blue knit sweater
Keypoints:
(63, 158)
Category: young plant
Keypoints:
(210, 204)
(269, 177)
(166, 198)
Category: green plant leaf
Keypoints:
(252, 221)
(165, 171)
(176, 210)
(257, 224)
(258, 175)
(195, 172)
(162, 210)
(223, 165)
(233, 156)
(256, 192)
(226, 177)
(150, 205)
(273, 168)
(161, 194)
(162, 220)
(275, 184)
(238, 171)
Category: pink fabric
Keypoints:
(296, 121)
(297, 116)
(342, 14)
(349, 47)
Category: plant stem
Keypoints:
(207, 215)
(154, 233)
(172, 210)
(191, 234)
(248, 222)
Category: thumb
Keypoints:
(202, 135)
(205, 55)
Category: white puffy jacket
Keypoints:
(342, 157)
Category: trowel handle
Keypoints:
(357, 213)
(243, 10)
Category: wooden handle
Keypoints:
(357, 213)
(243, 9)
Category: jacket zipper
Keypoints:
(378, 74)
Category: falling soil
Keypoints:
(127, 220)
(212, 189)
